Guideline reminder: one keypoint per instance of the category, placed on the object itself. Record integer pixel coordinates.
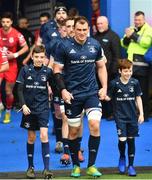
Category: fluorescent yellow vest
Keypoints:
(140, 47)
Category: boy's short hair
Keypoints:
(124, 64)
(38, 49)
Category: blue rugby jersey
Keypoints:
(35, 87)
(79, 65)
(124, 97)
(49, 34)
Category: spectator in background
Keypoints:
(44, 18)
(73, 12)
(22, 27)
(95, 4)
(136, 41)
(110, 42)
(12, 40)
(25, 58)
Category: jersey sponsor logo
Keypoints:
(21, 37)
(72, 51)
(56, 99)
(92, 49)
(99, 105)
(119, 90)
(36, 83)
(27, 125)
(43, 77)
(119, 132)
(125, 95)
(83, 57)
(68, 111)
(131, 89)
(11, 40)
(54, 34)
(29, 78)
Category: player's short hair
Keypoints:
(38, 49)
(8, 15)
(81, 20)
(45, 14)
(124, 64)
(70, 18)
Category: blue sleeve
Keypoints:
(60, 54)
(99, 52)
(21, 76)
(138, 91)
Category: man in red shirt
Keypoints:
(4, 66)
(11, 39)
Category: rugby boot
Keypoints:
(47, 174)
(30, 174)
(93, 171)
(131, 171)
(75, 171)
(122, 165)
(7, 118)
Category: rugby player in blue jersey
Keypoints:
(79, 57)
(50, 35)
(125, 93)
(33, 95)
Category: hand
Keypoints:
(129, 32)
(10, 55)
(26, 110)
(66, 96)
(141, 118)
(24, 61)
(107, 98)
(102, 93)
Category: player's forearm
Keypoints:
(102, 74)
(139, 105)
(22, 50)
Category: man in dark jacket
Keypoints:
(110, 43)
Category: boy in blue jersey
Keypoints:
(79, 56)
(126, 94)
(33, 95)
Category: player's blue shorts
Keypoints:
(127, 129)
(77, 105)
(35, 121)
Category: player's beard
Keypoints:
(6, 28)
(59, 21)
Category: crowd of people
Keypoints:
(65, 71)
